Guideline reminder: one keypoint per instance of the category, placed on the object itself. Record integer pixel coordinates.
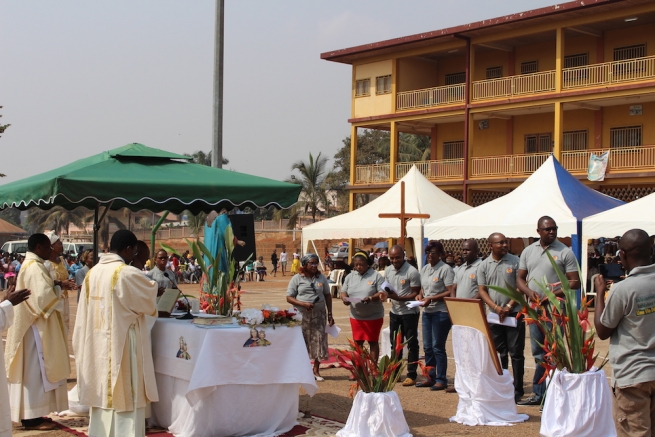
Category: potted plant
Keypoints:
(376, 410)
(575, 384)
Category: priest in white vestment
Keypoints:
(115, 372)
(36, 353)
(12, 298)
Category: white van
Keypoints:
(16, 246)
(75, 248)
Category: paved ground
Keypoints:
(427, 412)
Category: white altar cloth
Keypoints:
(224, 388)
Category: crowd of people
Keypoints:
(112, 346)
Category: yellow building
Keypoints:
(496, 97)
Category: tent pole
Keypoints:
(320, 262)
(153, 235)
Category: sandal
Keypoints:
(319, 378)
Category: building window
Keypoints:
(363, 87)
(453, 149)
(629, 52)
(383, 84)
(579, 60)
(455, 78)
(529, 67)
(494, 72)
(538, 143)
(626, 136)
(575, 140)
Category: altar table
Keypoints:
(210, 385)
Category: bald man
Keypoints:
(628, 320)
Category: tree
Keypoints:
(11, 215)
(373, 147)
(202, 158)
(196, 223)
(57, 218)
(313, 195)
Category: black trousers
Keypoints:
(408, 325)
(511, 341)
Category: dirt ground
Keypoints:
(427, 412)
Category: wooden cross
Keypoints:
(403, 216)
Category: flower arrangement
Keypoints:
(372, 377)
(269, 315)
(569, 339)
(220, 292)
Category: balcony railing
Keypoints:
(609, 73)
(541, 82)
(428, 97)
(434, 170)
(372, 174)
(621, 159)
(510, 165)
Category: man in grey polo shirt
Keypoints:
(534, 265)
(500, 270)
(466, 277)
(406, 280)
(628, 320)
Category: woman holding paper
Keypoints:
(361, 290)
(436, 283)
(309, 292)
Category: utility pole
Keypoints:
(217, 137)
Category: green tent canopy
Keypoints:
(139, 177)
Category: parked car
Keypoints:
(340, 253)
(16, 246)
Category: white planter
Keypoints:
(376, 415)
(578, 405)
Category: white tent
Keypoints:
(421, 196)
(617, 221)
(551, 191)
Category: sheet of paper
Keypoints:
(386, 285)
(167, 301)
(414, 303)
(353, 299)
(495, 319)
(333, 330)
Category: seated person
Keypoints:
(260, 268)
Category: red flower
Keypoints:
(399, 343)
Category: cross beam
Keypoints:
(403, 216)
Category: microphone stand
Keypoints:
(188, 315)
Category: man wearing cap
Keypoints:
(534, 265)
(500, 270)
(406, 281)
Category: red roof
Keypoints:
(576, 8)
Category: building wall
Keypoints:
(416, 73)
(543, 53)
(448, 132)
(574, 45)
(617, 116)
(531, 124)
(487, 59)
(373, 104)
(636, 35)
(450, 65)
(490, 141)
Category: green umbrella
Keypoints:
(139, 177)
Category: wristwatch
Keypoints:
(509, 306)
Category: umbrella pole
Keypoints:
(96, 227)
(153, 235)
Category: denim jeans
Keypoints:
(408, 325)
(536, 335)
(511, 341)
(436, 327)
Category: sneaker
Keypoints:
(532, 400)
(409, 382)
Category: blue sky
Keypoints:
(80, 77)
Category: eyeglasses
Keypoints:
(312, 264)
(433, 253)
(502, 242)
(550, 229)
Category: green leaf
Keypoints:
(170, 249)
